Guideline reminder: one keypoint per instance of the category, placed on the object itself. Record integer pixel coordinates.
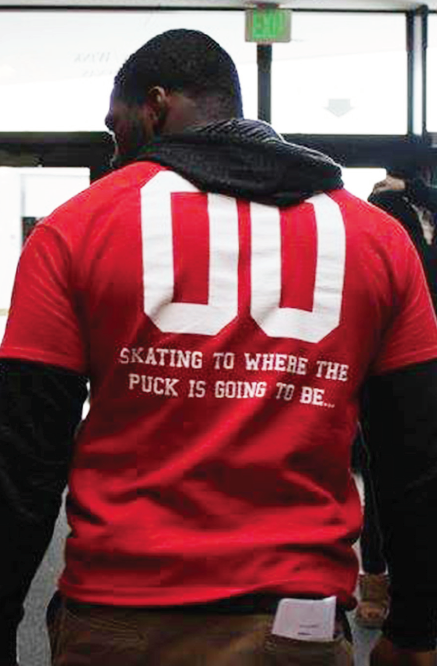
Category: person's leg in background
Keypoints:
(373, 579)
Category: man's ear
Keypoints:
(157, 101)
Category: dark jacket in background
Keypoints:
(401, 205)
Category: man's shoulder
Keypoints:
(128, 179)
(365, 214)
(372, 231)
(101, 197)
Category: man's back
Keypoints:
(226, 300)
(226, 342)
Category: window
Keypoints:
(57, 67)
(341, 74)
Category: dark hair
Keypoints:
(411, 170)
(413, 162)
(181, 61)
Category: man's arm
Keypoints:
(40, 409)
(399, 420)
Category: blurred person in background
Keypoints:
(408, 195)
(230, 304)
(373, 579)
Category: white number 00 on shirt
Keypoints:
(221, 309)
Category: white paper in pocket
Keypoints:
(306, 619)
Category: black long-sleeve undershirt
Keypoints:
(399, 419)
(40, 408)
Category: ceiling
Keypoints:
(344, 5)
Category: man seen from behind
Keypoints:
(230, 304)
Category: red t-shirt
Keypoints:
(226, 343)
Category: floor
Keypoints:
(33, 645)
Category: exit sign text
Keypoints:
(268, 25)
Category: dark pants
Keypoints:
(87, 635)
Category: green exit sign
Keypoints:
(267, 25)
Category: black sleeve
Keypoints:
(399, 420)
(40, 409)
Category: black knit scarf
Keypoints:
(245, 159)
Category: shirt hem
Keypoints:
(183, 596)
(31, 356)
(399, 362)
